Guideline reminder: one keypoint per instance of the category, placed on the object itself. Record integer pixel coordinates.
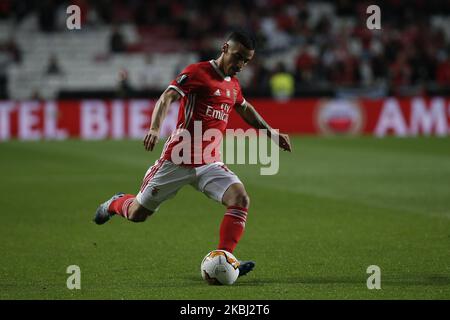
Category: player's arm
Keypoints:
(253, 118)
(158, 115)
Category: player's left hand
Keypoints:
(284, 142)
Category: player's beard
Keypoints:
(233, 71)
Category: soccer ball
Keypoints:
(219, 267)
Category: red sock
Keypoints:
(121, 205)
(232, 228)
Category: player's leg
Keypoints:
(221, 184)
(128, 207)
(236, 195)
(124, 205)
(237, 202)
(161, 182)
(138, 213)
(232, 227)
(164, 184)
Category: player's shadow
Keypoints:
(300, 281)
(407, 280)
(253, 281)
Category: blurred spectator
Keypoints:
(282, 83)
(36, 95)
(207, 49)
(117, 42)
(345, 8)
(365, 70)
(53, 67)
(259, 82)
(11, 48)
(150, 76)
(379, 68)
(47, 15)
(276, 38)
(103, 9)
(142, 13)
(84, 10)
(443, 71)
(400, 71)
(304, 67)
(124, 88)
(5, 8)
(4, 60)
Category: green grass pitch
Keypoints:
(337, 206)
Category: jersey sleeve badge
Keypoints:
(181, 79)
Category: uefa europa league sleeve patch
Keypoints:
(182, 78)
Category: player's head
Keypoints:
(237, 51)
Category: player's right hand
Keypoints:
(151, 139)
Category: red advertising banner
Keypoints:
(119, 119)
(381, 117)
(85, 119)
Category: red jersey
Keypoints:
(208, 97)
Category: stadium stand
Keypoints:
(325, 45)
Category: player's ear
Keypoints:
(225, 47)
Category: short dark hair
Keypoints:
(244, 37)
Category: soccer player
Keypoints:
(208, 91)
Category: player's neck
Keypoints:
(219, 64)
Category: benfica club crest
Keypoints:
(155, 191)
